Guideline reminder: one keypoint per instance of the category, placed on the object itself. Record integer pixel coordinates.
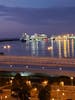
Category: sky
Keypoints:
(36, 16)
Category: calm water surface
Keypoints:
(60, 48)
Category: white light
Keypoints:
(28, 83)
(10, 65)
(35, 89)
(11, 81)
(53, 99)
(63, 94)
(71, 78)
(12, 78)
(8, 46)
(62, 83)
(4, 46)
(25, 73)
(60, 68)
(6, 97)
(58, 90)
(26, 66)
(50, 48)
(44, 83)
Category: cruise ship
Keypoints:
(25, 37)
(35, 37)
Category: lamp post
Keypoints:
(45, 82)
(58, 90)
(63, 95)
(71, 80)
(62, 85)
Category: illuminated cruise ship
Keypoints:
(25, 37)
(37, 37)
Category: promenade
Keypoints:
(38, 64)
(38, 61)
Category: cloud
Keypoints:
(38, 16)
(42, 19)
(37, 3)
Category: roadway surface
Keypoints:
(38, 61)
(38, 64)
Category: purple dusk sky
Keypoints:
(36, 16)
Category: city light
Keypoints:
(6, 46)
(52, 99)
(50, 48)
(6, 97)
(62, 83)
(63, 93)
(71, 80)
(28, 83)
(45, 82)
(58, 90)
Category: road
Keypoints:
(38, 61)
(43, 64)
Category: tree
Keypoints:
(20, 87)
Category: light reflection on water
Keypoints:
(60, 48)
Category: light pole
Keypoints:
(71, 80)
(62, 85)
(45, 82)
(63, 95)
(58, 90)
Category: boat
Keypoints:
(35, 37)
(24, 37)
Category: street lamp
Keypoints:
(62, 83)
(71, 80)
(6, 97)
(45, 82)
(58, 90)
(63, 95)
(52, 99)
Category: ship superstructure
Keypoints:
(36, 37)
(25, 37)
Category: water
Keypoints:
(60, 48)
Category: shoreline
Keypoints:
(11, 39)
